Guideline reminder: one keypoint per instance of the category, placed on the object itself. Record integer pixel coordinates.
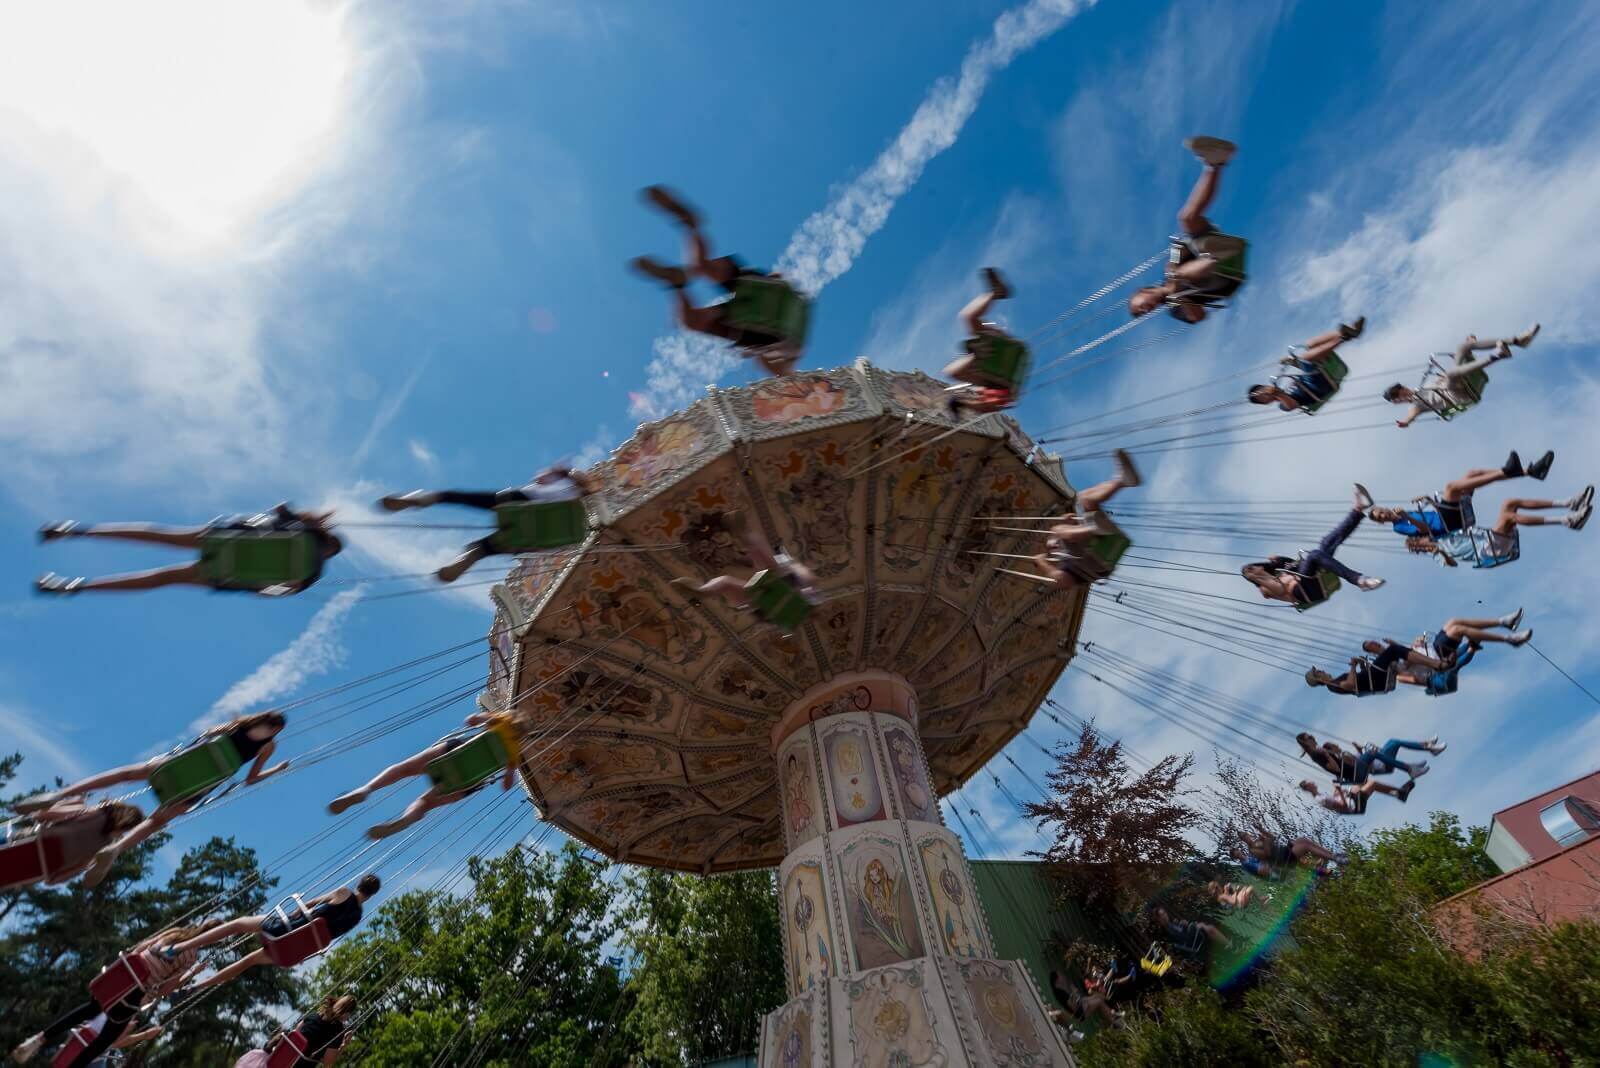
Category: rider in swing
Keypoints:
(994, 361)
(1279, 578)
(1452, 389)
(1207, 265)
(214, 542)
(1317, 371)
(773, 344)
(556, 483)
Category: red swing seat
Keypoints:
(302, 939)
(77, 1042)
(29, 857)
(290, 1052)
(123, 976)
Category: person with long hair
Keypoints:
(1299, 582)
(320, 1036)
(167, 969)
(305, 544)
(77, 829)
(341, 909)
(253, 738)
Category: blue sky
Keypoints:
(384, 248)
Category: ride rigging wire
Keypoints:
(1151, 703)
(421, 830)
(1247, 628)
(262, 872)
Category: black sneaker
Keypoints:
(1541, 467)
(1512, 468)
(1351, 331)
(1405, 791)
(996, 284)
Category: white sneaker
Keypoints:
(25, 1052)
(1434, 745)
(1370, 582)
(1510, 622)
(1363, 499)
(1521, 637)
(1419, 769)
(1524, 339)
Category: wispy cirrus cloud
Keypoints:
(828, 242)
(316, 651)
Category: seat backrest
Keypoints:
(28, 857)
(1000, 359)
(770, 306)
(289, 1052)
(299, 943)
(1327, 582)
(475, 760)
(195, 770)
(123, 976)
(777, 599)
(534, 526)
(248, 559)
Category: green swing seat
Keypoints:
(1000, 359)
(534, 526)
(1334, 370)
(770, 306)
(195, 770)
(1328, 582)
(777, 600)
(259, 560)
(1472, 385)
(476, 760)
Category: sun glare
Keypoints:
(211, 111)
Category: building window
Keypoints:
(1570, 821)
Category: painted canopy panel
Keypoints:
(649, 711)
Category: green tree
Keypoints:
(512, 973)
(1116, 834)
(1437, 861)
(1370, 980)
(707, 963)
(222, 877)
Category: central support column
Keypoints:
(888, 956)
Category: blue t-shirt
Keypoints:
(1429, 523)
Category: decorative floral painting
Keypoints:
(882, 915)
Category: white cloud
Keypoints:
(422, 454)
(316, 651)
(827, 243)
(136, 262)
(47, 753)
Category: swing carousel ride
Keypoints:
(718, 741)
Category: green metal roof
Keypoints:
(1026, 917)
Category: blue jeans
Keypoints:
(1322, 556)
(1385, 757)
